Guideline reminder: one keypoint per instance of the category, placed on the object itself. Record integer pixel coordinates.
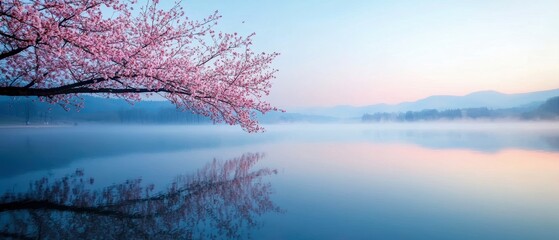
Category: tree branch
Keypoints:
(13, 52)
(47, 205)
(67, 89)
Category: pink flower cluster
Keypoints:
(57, 49)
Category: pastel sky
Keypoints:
(366, 52)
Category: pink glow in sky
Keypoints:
(366, 52)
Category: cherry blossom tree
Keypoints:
(59, 49)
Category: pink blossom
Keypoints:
(59, 49)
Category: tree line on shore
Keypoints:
(549, 110)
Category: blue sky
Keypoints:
(366, 52)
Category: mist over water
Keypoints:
(478, 180)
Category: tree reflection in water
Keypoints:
(221, 200)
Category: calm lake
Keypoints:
(352, 181)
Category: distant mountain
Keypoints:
(550, 106)
(548, 110)
(489, 99)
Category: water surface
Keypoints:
(388, 181)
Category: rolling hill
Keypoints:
(489, 99)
